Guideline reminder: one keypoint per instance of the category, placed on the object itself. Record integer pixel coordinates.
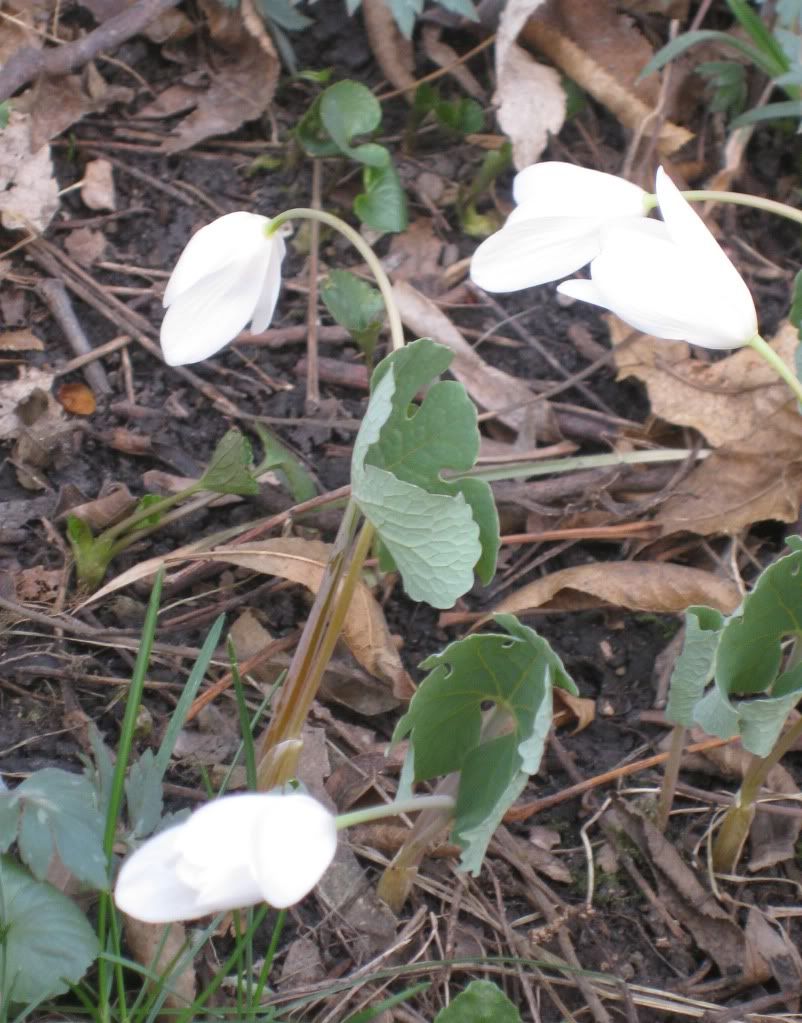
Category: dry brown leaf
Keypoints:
(726, 401)
(489, 387)
(636, 585)
(38, 585)
(77, 399)
(57, 103)
(778, 951)
(85, 245)
(445, 56)
(365, 630)
(170, 26)
(302, 965)
(97, 190)
(175, 99)
(392, 51)
(348, 895)
(604, 55)
(26, 400)
(415, 256)
(744, 411)
(23, 340)
(149, 947)
(531, 104)
(28, 188)
(578, 711)
(240, 90)
(106, 509)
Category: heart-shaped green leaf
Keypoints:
(437, 531)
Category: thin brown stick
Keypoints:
(29, 63)
(55, 296)
(523, 811)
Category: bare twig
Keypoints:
(58, 302)
(28, 63)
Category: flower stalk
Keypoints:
(737, 820)
(280, 744)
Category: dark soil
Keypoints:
(611, 655)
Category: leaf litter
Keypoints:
(732, 403)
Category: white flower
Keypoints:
(229, 274)
(670, 279)
(556, 226)
(233, 852)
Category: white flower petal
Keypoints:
(148, 886)
(209, 250)
(726, 288)
(531, 252)
(205, 317)
(555, 189)
(663, 289)
(583, 290)
(265, 306)
(295, 841)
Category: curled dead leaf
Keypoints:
(157, 952)
(603, 55)
(365, 630)
(636, 585)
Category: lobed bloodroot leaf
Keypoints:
(48, 943)
(437, 531)
(229, 470)
(55, 811)
(482, 1001)
(694, 666)
(744, 654)
(484, 709)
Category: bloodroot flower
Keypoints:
(556, 226)
(233, 852)
(228, 275)
(670, 279)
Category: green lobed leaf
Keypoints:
(57, 811)
(694, 666)
(229, 470)
(463, 116)
(749, 656)
(355, 305)
(5, 113)
(348, 109)
(48, 942)
(143, 795)
(289, 467)
(383, 204)
(436, 531)
(352, 302)
(449, 730)
(482, 1001)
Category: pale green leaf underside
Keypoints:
(436, 531)
(694, 666)
(49, 943)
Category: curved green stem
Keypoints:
(411, 805)
(780, 209)
(781, 368)
(367, 253)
